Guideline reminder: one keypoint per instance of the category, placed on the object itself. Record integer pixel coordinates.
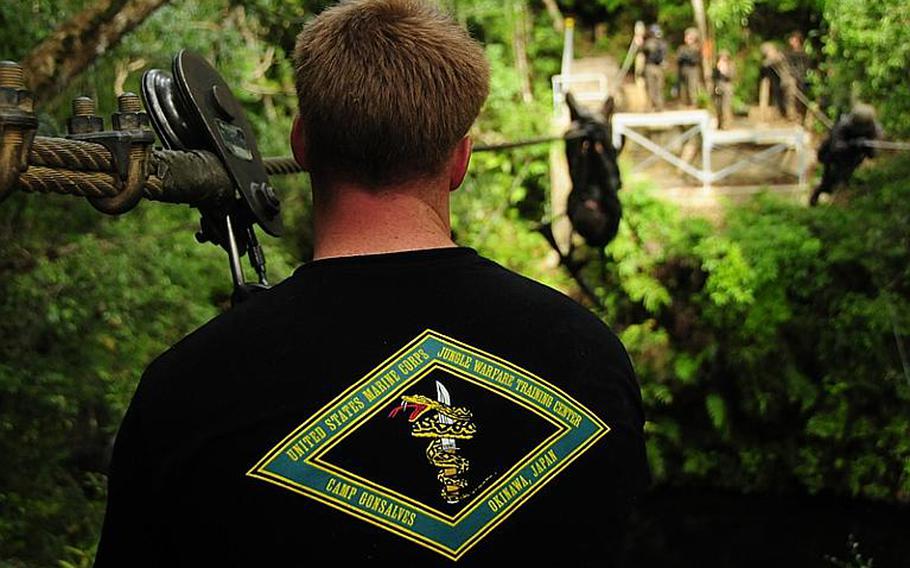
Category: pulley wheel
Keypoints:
(168, 112)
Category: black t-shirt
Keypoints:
(412, 408)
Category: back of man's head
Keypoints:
(387, 89)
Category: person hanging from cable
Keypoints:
(846, 147)
(593, 206)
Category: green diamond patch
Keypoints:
(439, 444)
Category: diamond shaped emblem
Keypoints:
(418, 446)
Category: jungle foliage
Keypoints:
(772, 353)
(769, 349)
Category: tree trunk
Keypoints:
(70, 49)
(555, 15)
(520, 46)
(707, 43)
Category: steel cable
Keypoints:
(40, 179)
(86, 169)
(281, 166)
(69, 154)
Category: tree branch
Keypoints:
(555, 15)
(75, 45)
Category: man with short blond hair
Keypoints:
(399, 400)
(377, 113)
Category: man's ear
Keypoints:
(461, 159)
(298, 144)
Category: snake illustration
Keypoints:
(441, 452)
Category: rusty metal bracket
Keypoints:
(18, 124)
(130, 152)
(129, 144)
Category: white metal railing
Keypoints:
(699, 123)
(587, 88)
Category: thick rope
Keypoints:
(69, 155)
(85, 169)
(810, 106)
(281, 166)
(570, 135)
(40, 179)
(896, 146)
(154, 189)
(516, 144)
(887, 145)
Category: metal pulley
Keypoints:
(193, 108)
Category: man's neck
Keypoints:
(358, 222)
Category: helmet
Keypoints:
(768, 50)
(655, 31)
(863, 113)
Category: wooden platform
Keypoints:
(679, 149)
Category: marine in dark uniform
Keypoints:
(845, 148)
(655, 50)
(399, 400)
(799, 64)
(688, 59)
(775, 68)
(798, 59)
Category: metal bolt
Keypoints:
(84, 119)
(129, 115)
(129, 102)
(11, 75)
(266, 198)
(83, 106)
